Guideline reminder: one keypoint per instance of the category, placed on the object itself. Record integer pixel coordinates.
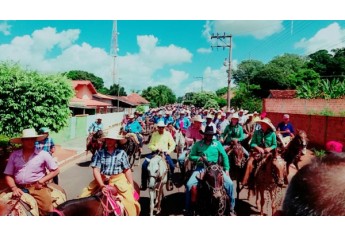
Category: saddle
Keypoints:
(133, 136)
(27, 204)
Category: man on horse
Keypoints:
(209, 150)
(182, 123)
(264, 142)
(95, 126)
(161, 141)
(134, 127)
(26, 170)
(111, 164)
(285, 130)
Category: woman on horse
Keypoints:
(111, 163)
(264, 142)
(26, 170)
(233, 134)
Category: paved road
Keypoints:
(77, 174)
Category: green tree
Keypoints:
(245, 97)
(29, 99)
(159, 95)
(222, 91)
(114, 90)
(200, 99)
(246, 71)
(321, 62)
(211, 103)
(97, 82)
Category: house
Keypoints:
(138, 100)
(282, 94)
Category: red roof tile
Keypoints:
(88, 102)
(76, 83)
(286, 94)
(137, 99)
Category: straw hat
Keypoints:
(161, 124)
(209, 116)
(268, 122)
(28, 133)
(113, 135)
(197, 118)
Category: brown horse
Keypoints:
(131, 146)
(94, 142)
(237, 164)
(95, 205)
(209, 196)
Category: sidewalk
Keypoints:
(70, 150)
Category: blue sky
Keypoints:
(153, 52)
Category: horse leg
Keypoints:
(152, 200)
(262, 201)
(273, 201)
(159, 199)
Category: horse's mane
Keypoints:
(75, 202)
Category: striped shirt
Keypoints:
(111, 163)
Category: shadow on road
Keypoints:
(84, 164)
(243, 208)
(171, 205)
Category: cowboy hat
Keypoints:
(209, 116)
(131, 116)
(197, 118)
(160, 124)
(235, 116)
(28, 133)
(268, 122)
(208, 130)
(114, 136)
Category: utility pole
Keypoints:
(118, 94)
(202, 82)
(113, 53)
(222, 38)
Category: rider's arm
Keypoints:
(97, 175)
(194, 156)
(171, 144)
(91, 128)
(224, 156)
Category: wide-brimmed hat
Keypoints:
(208, 130)
(209, 116)
(197, 118)
(98, 117)
(268, 122)
(113, 135)
(131, 116)
(28, 133)
(161, 124)
(235, 116)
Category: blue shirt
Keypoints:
(282, 127)
(94, 127)
(133, 127)
(111, 163)
(46, 144)
(168, 120)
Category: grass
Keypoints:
(319, 153)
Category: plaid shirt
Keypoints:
(47, 144)
(111, 163)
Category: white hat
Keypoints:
(235, 116)
(113, 135)
(198, 118)
(209, 116)
(131, 116)
(286, 116)
(28, 133)
(160, 124)
(268, 122)
(98, 117)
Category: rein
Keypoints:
(110, 201)
(158, 179)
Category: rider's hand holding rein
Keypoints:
(16, 192)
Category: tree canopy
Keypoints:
(159, 95)
(83, 75)
(32, 100)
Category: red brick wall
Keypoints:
(320, 129)
(304, 106)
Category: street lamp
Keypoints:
(118, 94)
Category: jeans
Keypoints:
(182, 157)
(144, 174)
(228, 185)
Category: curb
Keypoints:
(69, 159)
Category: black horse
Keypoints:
(209, 197)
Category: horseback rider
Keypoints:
(95, 126)
(25, 171)
(233, 134)
(285, 130)
(209, 150)
(182, 123)
(111, 164)
(161, 141)
(133, 126)
(47, 145)
(192, 134)
(264, 142)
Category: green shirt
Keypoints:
(211, 151)
(264, 140)
(233, 132)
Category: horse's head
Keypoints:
(156, 170)
(300, 141)
(98, 134)
(238, 154)
(214, 179)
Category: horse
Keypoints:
(238, 164)
(158, 177)
(94, 142)
(209, 196)
(180, 142)
(94, 205)
(294, 149)
(131, 146)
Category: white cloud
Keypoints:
(327, 38)
(137, 71)
(256, 28)
(204, 50)
(5, 28)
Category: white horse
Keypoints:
(158, 176)
(180, 142)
